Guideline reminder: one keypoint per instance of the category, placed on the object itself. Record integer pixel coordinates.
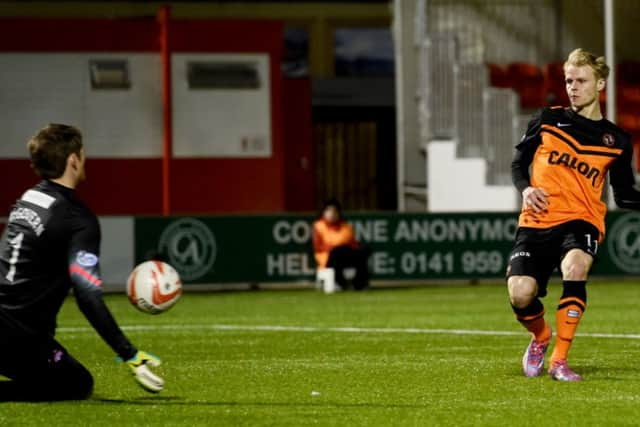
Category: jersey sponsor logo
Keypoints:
(86, 259)
(624, 243)
(515, 255)
(190, 246)
(572, 162)
(608, 140)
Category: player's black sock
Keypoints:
(572, 305)
(530, 312)
(574, 289)
(532, 318)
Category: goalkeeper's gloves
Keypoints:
(139, 365)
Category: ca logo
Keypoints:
(624, 243)
(190, 246)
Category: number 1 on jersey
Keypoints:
(16, 244)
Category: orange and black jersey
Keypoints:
(569, 156)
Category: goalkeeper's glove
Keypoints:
(139, 365)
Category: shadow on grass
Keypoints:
(178, 401)
(608, 373)
(589, 372)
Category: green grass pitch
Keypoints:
(397, 365)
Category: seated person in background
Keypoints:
(335, 246)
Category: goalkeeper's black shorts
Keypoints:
(38, 367)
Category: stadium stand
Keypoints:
(528, 81)
(554, 88)
(498, 75)
(501, 98)
(474, 103)
(628, 100)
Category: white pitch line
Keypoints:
(355, 330)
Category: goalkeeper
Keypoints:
(51, 245)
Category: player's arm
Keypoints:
(84, 271)
(319, 246)
(317, 241)
(350, 236)
(532, 197)
(623, 180)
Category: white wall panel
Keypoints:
(37, 88)
(221, 122)
(126, 123)
(460, 185)
(116, 252)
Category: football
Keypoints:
(154, 287)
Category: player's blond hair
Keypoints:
(580, 57)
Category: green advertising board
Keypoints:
(277, 248)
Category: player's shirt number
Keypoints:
(15, 244)
(592, 244)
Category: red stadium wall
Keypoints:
(299, 154)
(133, 186)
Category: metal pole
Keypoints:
(400, 113)
(164, 15)
(610, 54)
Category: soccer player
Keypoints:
(51, 245)
(560, 167)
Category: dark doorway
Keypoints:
(355, 152)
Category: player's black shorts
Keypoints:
(539, 251)
(40, 368)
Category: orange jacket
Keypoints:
(327, 237)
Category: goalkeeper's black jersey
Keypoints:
(52, 244)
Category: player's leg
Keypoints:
(580, 247)
(527, 276)
(529, 311)
(575, 268)
(66, 374)
(37, 366)
(354, 258)
(361, 262)
(339, 259)
(528, 308)
(45, 372)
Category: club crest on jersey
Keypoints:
(608, 140)
(572, 162)
(86, 259)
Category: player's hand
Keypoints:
(139, 365)
(535, 198)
